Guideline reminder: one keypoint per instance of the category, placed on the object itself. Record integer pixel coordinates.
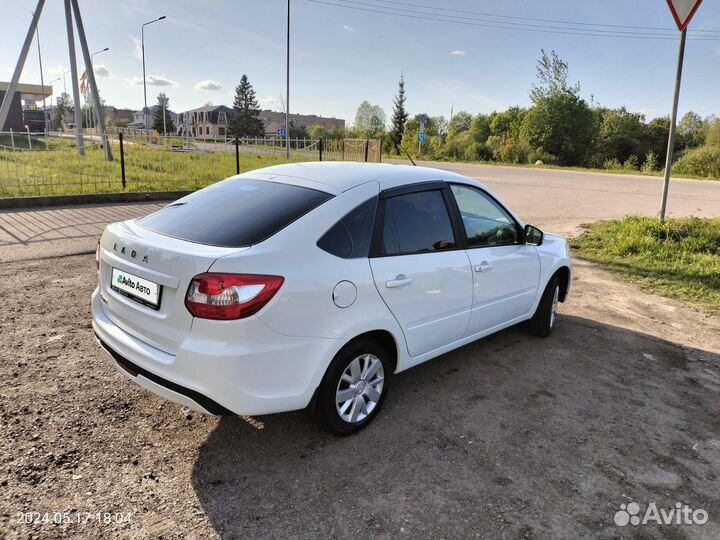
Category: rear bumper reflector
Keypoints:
(213, 407)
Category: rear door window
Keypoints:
(235, 213)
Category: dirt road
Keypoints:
(512, 437)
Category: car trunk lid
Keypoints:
(143, 259)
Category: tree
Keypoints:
(552, 75)
(399, 116)
(622, 134)
(63, 106)
(460, 122)
(560, 122)
(690, 130)
(168, 126)
(246, 121)
(369, 119)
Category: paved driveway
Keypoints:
(555, 200)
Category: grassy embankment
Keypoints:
(60, 171)
(679, 258)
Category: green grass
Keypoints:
(60, 171)
(679, 258)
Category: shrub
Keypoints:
(631, 163)
(704, 161)
(545, 157)
(477, 152)
(651, 162)
(612, 164)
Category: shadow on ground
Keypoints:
(510, 437)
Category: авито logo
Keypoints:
(681, 514)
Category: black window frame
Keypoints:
(453, 202)
(443, 187)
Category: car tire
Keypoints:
(545, 318)
(354, 387)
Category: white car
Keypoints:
(308, 285)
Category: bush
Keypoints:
(477, 152)
(704, 161)
(545, 157)
(631, 163)
(612, 164)
(651, 162)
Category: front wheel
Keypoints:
(354, 387)
(545, 318)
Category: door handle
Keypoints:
(483, 267)
(400, 281)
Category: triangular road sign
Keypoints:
(683, 11)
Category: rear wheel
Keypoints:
(354, 387)
(545, 318)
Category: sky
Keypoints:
(345, 51)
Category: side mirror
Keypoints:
(533, 235)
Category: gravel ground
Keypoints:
(512, 437)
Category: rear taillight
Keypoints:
(230, 296)
(97, 255)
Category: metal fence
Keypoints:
(49, 164)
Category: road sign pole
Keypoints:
(673, 119)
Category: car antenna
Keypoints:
(408, 155)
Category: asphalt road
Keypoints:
(559, 200)
(555, 200)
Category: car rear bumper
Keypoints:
(223, 367)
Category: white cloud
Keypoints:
(348, 28)
(57, 70)
(270, 102)
(102, 71)
(212, 86)
(457, 53)
(152, 80)
(137, 46)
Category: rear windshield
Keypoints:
(234, 213)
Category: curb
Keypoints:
(12, 203)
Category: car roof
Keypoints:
(338, 176)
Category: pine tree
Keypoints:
(158, 124)
(246, 121)
(399, 116)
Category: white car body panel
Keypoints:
(273, 361)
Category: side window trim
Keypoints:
(456, 209)
(450, 206)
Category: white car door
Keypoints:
(420, 269)
(506, 271)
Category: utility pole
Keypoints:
(142, 46)
(74, 74)
(12, 88)
(42, 79)
(91, 78)
(287, 88)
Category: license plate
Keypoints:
(139, 289)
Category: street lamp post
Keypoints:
(50, 85)
(42, 80)
(142, 46)
(90, 112)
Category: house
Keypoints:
(209, 122)
(274, 120)
(138, 122)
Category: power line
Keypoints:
(517, 17)
(500, 25)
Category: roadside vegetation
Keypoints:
(679, 258)
(560, 128)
